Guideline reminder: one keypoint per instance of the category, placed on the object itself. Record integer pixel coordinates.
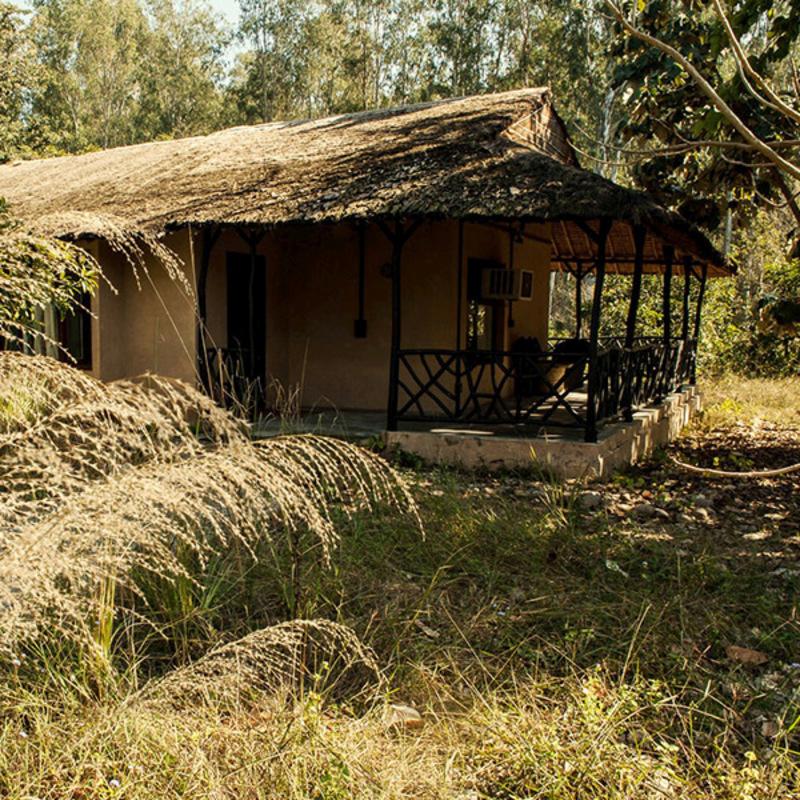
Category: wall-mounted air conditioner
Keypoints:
(506, 284)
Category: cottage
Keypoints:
(394, 263)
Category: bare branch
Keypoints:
(771, 100)
(708, 90)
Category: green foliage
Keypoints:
(36, 273)
(101, 73)
(733, 341)
(305, 59)
(664, 107)
(16, 75)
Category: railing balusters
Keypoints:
(461, 386)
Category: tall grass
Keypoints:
(134, 483)
(199, 616)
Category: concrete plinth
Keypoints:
(619, 444)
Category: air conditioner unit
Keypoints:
(506, 284)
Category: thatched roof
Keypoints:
(495, 157)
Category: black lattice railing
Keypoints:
(498, 387)
(537, 389)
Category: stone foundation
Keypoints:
(619, 444)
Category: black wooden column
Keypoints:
(578, 300)
(687, 285)
(698, 318)
(210, 236)
(684, 368)
(594, 332)
(398, 236)
(459, 312)
(639, 234)
(665, 383)
(666, 302)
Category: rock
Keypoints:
(661, 785)
(702, 501)
(429, 632)
(400, 717)
(590, 501)
(643, 511)
(744, 655)
(704, 515)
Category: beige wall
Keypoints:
(311, 305)
(146, 325)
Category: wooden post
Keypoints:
(398, 238)
(594, 331)
(578, 300)
(639, 235)
(459, 282)
(459, 310)
(665, 381)
(698, 318)
(666, 305)
(687, 279)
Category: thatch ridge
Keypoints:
(499, 156)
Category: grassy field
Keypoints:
(558, 642)
(732, 399)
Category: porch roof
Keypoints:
(499, 157)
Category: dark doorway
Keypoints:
(247, 311)
(75, 334)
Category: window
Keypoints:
(484, 317)
(75, 334)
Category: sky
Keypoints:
(229, 9)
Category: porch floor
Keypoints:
(363, 424)
(562, 451)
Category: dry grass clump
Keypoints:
(149, 518)
(33, 386)
(75, 430)
(315, 655)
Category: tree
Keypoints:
(16, 76)
(724, 112)
(116, 72)
(180, 80)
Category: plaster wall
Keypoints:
(146, 325)
(311, 304)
